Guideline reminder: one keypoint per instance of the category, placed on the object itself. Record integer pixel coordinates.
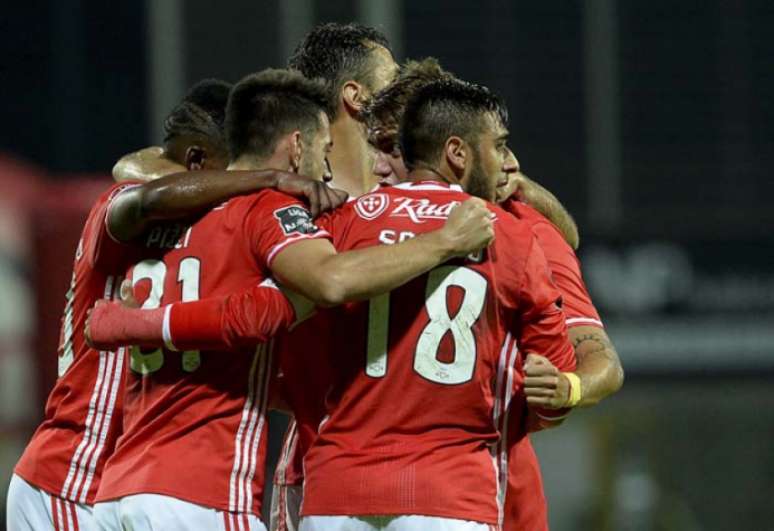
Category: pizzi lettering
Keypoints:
(295, 219)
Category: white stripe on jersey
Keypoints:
(97, 426)
(107, 420)
(84, 461)
(501, 364)
(500, 413)
(263, 386)
(288, 449)
(584, 320)
(232, 488)
(252, 416)
(74, 462)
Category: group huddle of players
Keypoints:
(415, 331)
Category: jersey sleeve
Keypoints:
(563, 263)
(338, 224)
(100, 249)
(242, 318)
(566, 273)
(541, 326)
(275, 221)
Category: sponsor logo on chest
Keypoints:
(420, 209)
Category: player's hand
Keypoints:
(321, 197)
(127, 294)
(544, 385)
(470, 227)
(514, 188)
(89, 315)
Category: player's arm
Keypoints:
(599, 373)
(216, 323)
(542, 334)
(315, 270)
(145, 165)
(525, 189)
(599, 367)
(184, 194)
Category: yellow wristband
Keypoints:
(575, 389)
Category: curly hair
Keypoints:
(337, 53)
(201, 113)
(438, 110)
(265, 106)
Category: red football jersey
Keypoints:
(195, 421)
(525, 506)
(83, 413)
(304, 380)
(412, 419)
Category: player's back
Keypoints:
(195, 426)
(411, 410)
(83, 412)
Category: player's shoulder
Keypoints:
(115, 189)
(547, 234)
(509, 227)
(262, 204)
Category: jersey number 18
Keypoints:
(426, 362)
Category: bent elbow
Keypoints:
(620, 377)
(330, 291)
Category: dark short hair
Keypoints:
(337, 53)
(385, 109)
(445, 108)
(265, 106)
(201, 113)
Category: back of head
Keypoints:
(337, 53)
(264, 107)
(441, 109)
(200, 115)
(385, 110)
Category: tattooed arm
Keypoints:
(599, 368)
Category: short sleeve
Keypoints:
(338, 224)
(541, 322)
(99, 248)
(275, 221)
(566, 273)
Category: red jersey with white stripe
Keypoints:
(411, 413)
(83, 413)
(195, 426)
(305, 378)
(525, 506)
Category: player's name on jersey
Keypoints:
(169, 236)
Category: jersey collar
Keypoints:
(429, 185)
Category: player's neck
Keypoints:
(429, 174)
(350, 161)
(255, 163)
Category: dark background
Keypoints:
(652, 121)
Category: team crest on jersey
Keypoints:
(295, 219)
(372, 205)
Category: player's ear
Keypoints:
(295, 150)
(353, 96)
(195, 157)
(457, 153)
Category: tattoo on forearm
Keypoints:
(599, 343)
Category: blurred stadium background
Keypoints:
(652, 121)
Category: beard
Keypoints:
(479, 183)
